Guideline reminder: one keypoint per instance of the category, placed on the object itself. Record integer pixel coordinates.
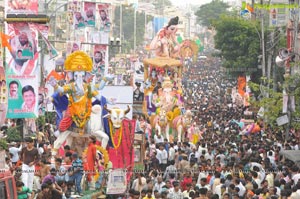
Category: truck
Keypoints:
(8, 189)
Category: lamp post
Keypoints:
(134, 31)
(282, 60)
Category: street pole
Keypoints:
(263, 46)
(121, 27)
(134, 33)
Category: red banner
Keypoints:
(24, 7)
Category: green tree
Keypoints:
(238, 43)
(128, 27)
(160, 4)
(210, 12)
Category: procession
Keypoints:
(169, 119)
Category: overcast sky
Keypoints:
(184, 2)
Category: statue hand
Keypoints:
(52, 81)
(109, 77)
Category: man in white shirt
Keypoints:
(203, 184)
(162, 156)
(159, 184)
(171, 169)
(239, 184)
(139, 183)
(171, 156)
(158, 139)
(14, 150)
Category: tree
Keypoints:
(238, 43)
(160, 4)
(210, 12)
(128, 27)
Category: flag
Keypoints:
(52, 51)
(249, 8)
(5, 41)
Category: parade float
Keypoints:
(84, 113)
(163, 102)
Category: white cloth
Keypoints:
(159, 186)
(162, 156)
(27, 175)
(171, 154)
(158, 140)
(15, 153)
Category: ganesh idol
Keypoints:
(165, 43)
(80, 91)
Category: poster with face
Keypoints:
(99, 60)
(89, 13)
(73, 46)
(22, 60)
(103, 10)
(43, 92)
(22, 97)
(78, 20)
(3, 96)
(74, 5)
(43, 29)
(21, 6)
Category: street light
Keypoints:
(284, 57)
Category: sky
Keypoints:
(184, 2)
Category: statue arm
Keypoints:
(97, 88)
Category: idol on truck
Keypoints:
(80, 103)
(163, 101)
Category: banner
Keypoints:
(42, 100)
(117, 183)
(24, 7)
(44, 30)
(104, 17)
(99, 60)
(3, 93)
(73, 46)
(158, 23)
(22, 72)
(89, 13)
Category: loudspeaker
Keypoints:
(284, 54)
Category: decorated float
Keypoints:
(83, 116)
(163, 102)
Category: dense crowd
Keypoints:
(221, 163)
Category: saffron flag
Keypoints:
(5, 38)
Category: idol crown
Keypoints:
(78, 61)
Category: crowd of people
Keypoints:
(221, 163)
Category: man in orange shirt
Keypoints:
(91, 157)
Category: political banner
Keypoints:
(89, 13)
(44, 30)
(22, 71)
(74, 5)
(22, 96)
(3, 94)
(22, 59)
(24, 7)
(42, 100)
(73, 46)
(99, 59)
(105, 23)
